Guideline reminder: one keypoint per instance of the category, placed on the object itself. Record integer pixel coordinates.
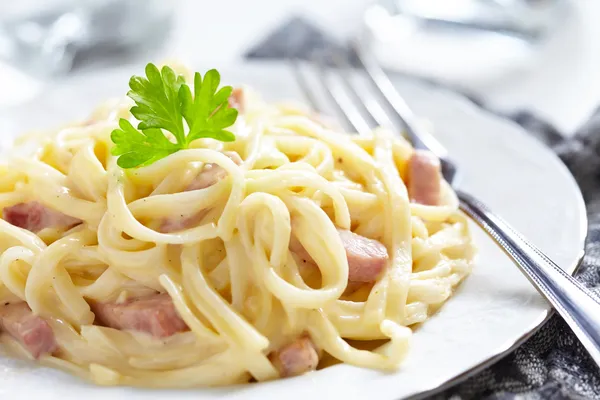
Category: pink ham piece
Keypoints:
(296, 358)
(33, 332)
(178, 224)
(424, 178)
(236, 100)
(154, 314)
(34, 216)
(366, 257)
(212, 173)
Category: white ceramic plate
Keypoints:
(494, 310)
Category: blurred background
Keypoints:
(542, 56)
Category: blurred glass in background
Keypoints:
(461, 41)
(528, 19)
(52, 36)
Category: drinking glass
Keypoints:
(461, 41)
(49, 36)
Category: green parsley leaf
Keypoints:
(208, 114)
(157, 100)
(163, 102)
(138, 148)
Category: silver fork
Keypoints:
(578, 306)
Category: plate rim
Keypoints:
(501, 353)
(437, 386)
(571, 269)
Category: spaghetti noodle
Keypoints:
(299, 238)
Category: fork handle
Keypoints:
(579, 307)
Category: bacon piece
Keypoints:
(212, 173)
(178, 224)
(352, 287)
(236, 100)
(34, 216)
(424, 178)
(366, 257)
(296, 358)
(154, 314)
(33, 332)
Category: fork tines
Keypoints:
(364, 97)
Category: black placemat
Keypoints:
(552, 364)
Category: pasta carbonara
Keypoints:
(225, 262)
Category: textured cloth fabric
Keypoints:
(552, 364)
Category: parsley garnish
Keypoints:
(164, 101)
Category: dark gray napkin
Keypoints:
(552, 364)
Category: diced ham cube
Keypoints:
(33, 332)
(154, 314)
(295, 358)
(236, 100)
(424, 178)
(34, 216)
(212, 173)
(353, 287)
(366, 257)
(179, 224)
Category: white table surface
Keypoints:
(562, 84)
